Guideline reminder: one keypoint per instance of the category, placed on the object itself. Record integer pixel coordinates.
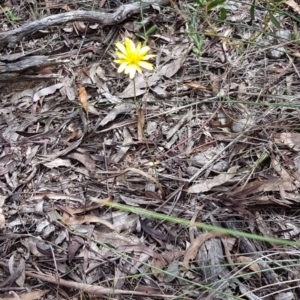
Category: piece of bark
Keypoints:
(33, 61)
(122, 13)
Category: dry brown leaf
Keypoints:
(127, 140)
(194, 247)
(158, 264)
(6, 6)
(47, 91)
(218, 180)
(2, 217)
(141, 123)
(262, 186)
(293, 5)
(85, 159)
(58, 162)
(78, 210)
(54, 196)
(12, 262)
(83, 97)
(74, 244)
(280, 170)
(172, 272)
(73, 136)
(140, 248)
(31, 244)
(197, 86)
(86, 71)
(290, 139)
(80, 26)
(29, 296)
(101, 202)
(263, 227)
(124, 108)
(186, 118)
(145, 175)
(168, 258)
(253, 266)
(69, 89)
(15, 274)
(115, 240)
(181, 52)
(86, 219)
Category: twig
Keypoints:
(122, 13)
(195, 133)
(88, 288)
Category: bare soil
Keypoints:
(213, 138)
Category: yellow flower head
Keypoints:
(131, 58)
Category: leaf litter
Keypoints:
(217, 142)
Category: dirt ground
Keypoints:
(180, 184)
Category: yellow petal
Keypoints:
(120, 55)
(144, 50)
(138, 69)
(120, 61)
(138, 48)
(146, 65)
(127, 70)
(132, 58)
(121, 47)
(132, 73)
(122, 67)
(130, 46)
(131, 70)
(147, 57)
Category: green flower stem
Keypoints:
(152, 214)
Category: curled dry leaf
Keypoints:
(15, 274)
(124, 108)
(47, 91)
(179, 124)
(2, 217)
(293, 5)
(123, 149)
(173, 271)
(247, 261)
(57, 162)
(169, 258)
(208, 184)
(145, 175)
(262, 186)
(83, 97)
(85, 159)
(116, 240)
(275, 164)
(29, 296)
(197, 86)
(87, 219)
(12, 263)
(290, 139)
(194, 247)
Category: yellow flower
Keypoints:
(131, 58)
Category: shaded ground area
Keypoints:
(211, 138)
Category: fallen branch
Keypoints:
(33, 61)
(122, 13)
(88, 288)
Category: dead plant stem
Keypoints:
(140, 126)
(195, 133)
